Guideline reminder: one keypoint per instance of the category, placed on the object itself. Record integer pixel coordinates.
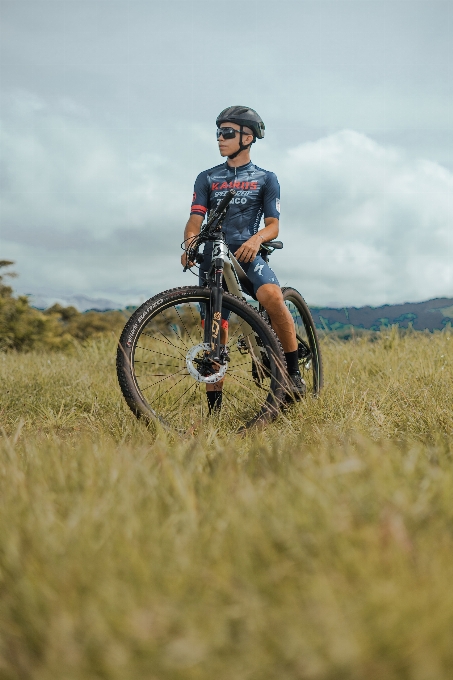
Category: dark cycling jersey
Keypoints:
(257, 194)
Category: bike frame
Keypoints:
(223, 266)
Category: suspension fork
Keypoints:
(214, 313)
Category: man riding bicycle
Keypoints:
(257, 195)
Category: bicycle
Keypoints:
(167, 355)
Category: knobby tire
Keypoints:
(152, 367)
(311, 366)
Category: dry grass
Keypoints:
(320, 548)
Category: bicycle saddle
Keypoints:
(276, 245)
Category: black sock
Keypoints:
(292, 361)
(214, 400)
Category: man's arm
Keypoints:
(192, 229)
(248, 251)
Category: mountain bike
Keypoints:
(182, 340)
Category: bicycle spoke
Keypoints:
(185, 392)
(148, 349)
(240, 401)
(167, 391)
(177, 312)
(246, 387)
(196, 323)
(153, 337)
(170, 342)
(172, 328)
(166, 378)
(158, 375)
(236, 351)
(153, 363)
(249, 379)
(240, 328)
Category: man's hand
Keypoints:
(185, 262)
(191, 231)
(248, 251)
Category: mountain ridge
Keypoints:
(430, 315)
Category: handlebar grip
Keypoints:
(225, 200)
(188, 259)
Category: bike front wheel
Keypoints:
(310, 362)
(163, 363)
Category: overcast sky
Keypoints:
(108, 114)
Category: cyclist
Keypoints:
(257, 195)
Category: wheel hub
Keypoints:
(202, 367)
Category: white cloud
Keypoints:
(81, 211)
(86, 209)
(371, 225)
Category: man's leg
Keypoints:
(271, 297)
(269, 294)
(214, 390)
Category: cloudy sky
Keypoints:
(108, 114)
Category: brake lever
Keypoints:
(188, 259)
(218, 216)
(191, 256)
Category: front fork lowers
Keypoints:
(214, 313)
(216, 307)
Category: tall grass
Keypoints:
(318, 548)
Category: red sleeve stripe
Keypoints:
(199, 208)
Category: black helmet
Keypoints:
(244, 116)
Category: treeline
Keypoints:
(24, 328)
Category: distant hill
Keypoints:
(83, 303)
(431, 315)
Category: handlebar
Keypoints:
(216, 214)
(225, 201)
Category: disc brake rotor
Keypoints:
(201, 367)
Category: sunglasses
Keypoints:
(228, 132)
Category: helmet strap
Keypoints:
(242, 147)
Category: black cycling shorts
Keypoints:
(258, 271)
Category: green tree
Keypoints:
(25, 328)
(89, 324)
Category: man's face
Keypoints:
(230, 146)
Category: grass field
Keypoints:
(320, 548)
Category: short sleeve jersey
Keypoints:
(257, 195)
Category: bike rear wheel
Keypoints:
(161, 363)
(310, 362)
